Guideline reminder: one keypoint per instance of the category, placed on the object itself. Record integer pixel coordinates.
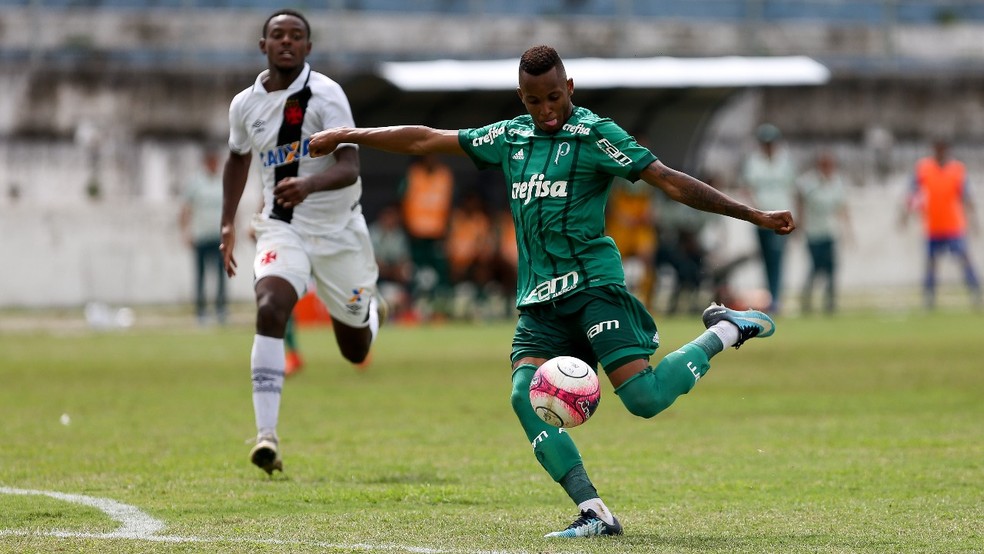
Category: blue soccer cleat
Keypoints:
(750, 323)
(588, 524)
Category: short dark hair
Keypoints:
(290, 12)
(541, 59)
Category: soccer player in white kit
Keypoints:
(311, 228)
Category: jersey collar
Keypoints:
(297, 85)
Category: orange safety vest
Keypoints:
(941, 190)
(427, 201)
(470, 238)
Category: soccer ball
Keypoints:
(564, 391)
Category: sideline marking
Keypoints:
(135, 524)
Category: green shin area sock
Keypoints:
(577, 485)
(552, 446)
(710, 343)
(651, 391)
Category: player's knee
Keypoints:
(641, 397)
(271, 319)
(520, 396)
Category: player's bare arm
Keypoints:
(695, 193)
(233, 183)
(291, 191)
(413, 140)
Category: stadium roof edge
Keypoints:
(602, 73)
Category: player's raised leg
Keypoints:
(346, 284)
(652, 390)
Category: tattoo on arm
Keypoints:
(702, 196)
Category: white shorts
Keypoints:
(341, 266)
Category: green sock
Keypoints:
(652, 390)
(552, 446)
(710, 343)
(290, 338)
(577, 485)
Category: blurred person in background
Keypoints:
(821, 201)
(505, 264)
(629, 221)
(201, 210)
(427, 194)
(940, 192)
(311, 226)
(769, 176)
(679, 228)
(471, 253)
(392, 248)
(559, 160)
(293, 361)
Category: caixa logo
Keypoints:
(553, 288)
(285, 153)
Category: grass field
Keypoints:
(863, 433)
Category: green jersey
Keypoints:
(558, 188)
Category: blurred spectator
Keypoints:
(471, 252)
(506, 261)
(681, 248)
(821, 200)
(769, 175)
(629, 221)
(941, 193)
(201, 212)
(392, 247)
(293, 362)
(427, 195)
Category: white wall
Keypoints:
(131, 253)
(117, 251)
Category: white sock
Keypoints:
(267, 365)
(599, 509)
(373, 318)
(726, 331)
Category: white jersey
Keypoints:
(255, 119)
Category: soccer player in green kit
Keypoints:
(571, 294)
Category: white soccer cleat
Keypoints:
(266, 454)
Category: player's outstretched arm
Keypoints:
(695, 193)
(403, 139)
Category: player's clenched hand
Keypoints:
(779, 221)
(324, 142)
(226, 247)
(291, 191)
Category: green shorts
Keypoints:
(604, 325)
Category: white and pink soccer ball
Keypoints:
(564, 391)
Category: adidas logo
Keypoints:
(519, 155)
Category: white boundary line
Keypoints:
(137, 525)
